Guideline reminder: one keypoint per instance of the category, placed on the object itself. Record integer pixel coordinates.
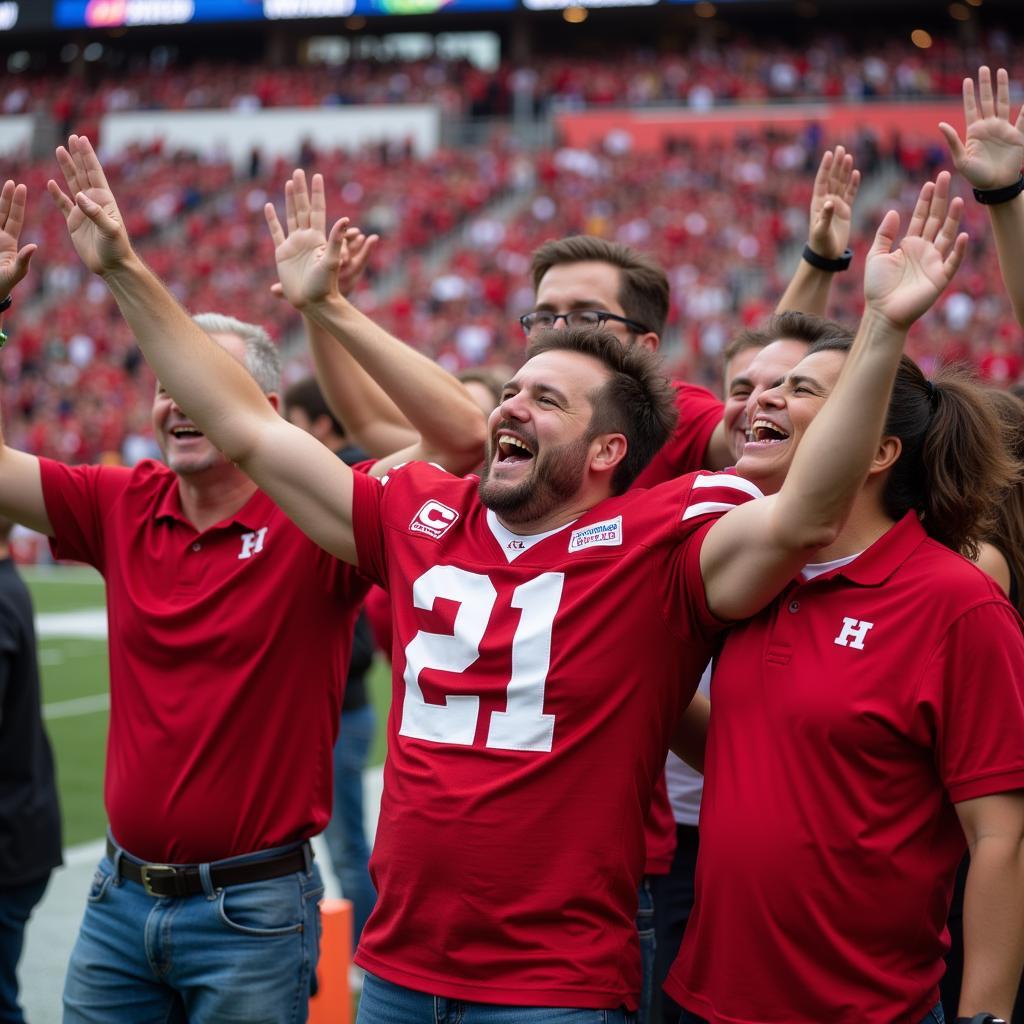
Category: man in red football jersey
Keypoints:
(549, 623)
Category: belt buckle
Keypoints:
(154, 873)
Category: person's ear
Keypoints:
(888, 454)
(649, 340)
(610, 450)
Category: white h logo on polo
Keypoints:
(434, 519)
(252, 543)
(853, 633)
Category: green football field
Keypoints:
(73, 662)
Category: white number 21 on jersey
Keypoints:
(523, 724)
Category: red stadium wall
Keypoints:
(650, 130)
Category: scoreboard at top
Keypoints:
(35, 15)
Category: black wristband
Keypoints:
(5, 303)
(994, 196)
(980, 1018)
(824, 263)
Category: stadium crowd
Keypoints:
(551, 620)
(702, 74)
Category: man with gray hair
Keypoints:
(229, 640)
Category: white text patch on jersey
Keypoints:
(607, 535)
(434, 519)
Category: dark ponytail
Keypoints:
(1007, 532)
(954, 468)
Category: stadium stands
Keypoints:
(724, 219)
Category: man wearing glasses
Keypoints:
(585, 281)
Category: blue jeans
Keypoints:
(16, 904)
(645, 931)
(935, 1016)
(346, 834)
(244, 953)
(385, 1003)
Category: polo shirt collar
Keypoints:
(886, 555)
(250, 516)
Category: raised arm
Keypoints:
(751, 553)
(370, 418)
(828, 235)
(21, 489)
(451, 427)
(993, 903)
(308, 482)
(990, 159)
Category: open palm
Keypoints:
(13, 261)
(902, 284)
(992, 151)
(307, 259)
(94, 222)
(835, 188)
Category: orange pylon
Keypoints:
(332, 1003)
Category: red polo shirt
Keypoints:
(228, 654)
(848, 718)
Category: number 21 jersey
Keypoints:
(536, 683)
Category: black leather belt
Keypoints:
(185, 880)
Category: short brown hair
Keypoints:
(306, 395)
(637, 401)
(788, 326)
(643, 285)
(491, 377)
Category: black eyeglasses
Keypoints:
(540, 319)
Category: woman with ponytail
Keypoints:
(864, 726)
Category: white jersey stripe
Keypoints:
(728, 480)
(704, 508)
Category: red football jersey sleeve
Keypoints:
(536, 681)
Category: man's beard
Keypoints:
(554, 479)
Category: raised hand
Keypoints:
(902, 284)
(94, 222)
(358, 248)
(354, 257)
(13, 261)
(308, 260)
(991, 155)
(835, 188)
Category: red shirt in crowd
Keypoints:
(849, 717)
(229, 650)
(536, 680)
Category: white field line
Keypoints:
(82, 575)
(82, 624)
(77, 706)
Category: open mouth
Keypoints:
(185, 433)
(765, 432)
(511, 449)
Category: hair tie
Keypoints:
(933, 393)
